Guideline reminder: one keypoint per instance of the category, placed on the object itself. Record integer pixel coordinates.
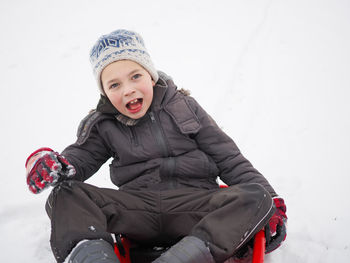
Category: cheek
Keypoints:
(147, 90)
(115, 100)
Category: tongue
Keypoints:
(134, 106)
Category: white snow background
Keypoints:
(274, 74)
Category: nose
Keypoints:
(129, 90)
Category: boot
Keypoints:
(93, 251)
(190, 249)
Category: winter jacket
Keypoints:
(176, 144)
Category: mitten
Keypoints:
(276, 230)
(45, 167)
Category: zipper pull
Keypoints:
(151, 115)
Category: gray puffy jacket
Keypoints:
(176, 144)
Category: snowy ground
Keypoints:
(274, 74)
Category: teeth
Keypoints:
(133, 101)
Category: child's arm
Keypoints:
(234, 167)
(78, 161)
(89, 156)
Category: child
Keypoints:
(167, 155)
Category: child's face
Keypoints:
(129, 87)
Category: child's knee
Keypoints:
(254, 190)
(244, 195)
(255, 195)
(61, 189)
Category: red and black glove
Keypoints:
(276, 229)
(45, 167)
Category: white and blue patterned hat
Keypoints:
(120, 45)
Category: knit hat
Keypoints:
(120, 45)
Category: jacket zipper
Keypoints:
(133, 136)
(169, 162)
(158, 134)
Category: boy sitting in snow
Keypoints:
(167, 155)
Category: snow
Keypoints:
(273, 74)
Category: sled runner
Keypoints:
(259, 247)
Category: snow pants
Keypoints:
(224, 218)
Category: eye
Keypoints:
(136, 76)
(114, 85)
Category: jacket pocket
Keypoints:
(195, 165)
(184, 117)
(121, 175)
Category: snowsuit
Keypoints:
(166, 165)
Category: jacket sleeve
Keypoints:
(234, 167)
(87, 157)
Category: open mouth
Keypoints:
(134, 105)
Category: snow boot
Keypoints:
(93, 251)
(190, 249)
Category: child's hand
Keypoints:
(276, 231)
(45, 167)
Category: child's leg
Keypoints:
(224, 219)
(239, 213)
(79, 211)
